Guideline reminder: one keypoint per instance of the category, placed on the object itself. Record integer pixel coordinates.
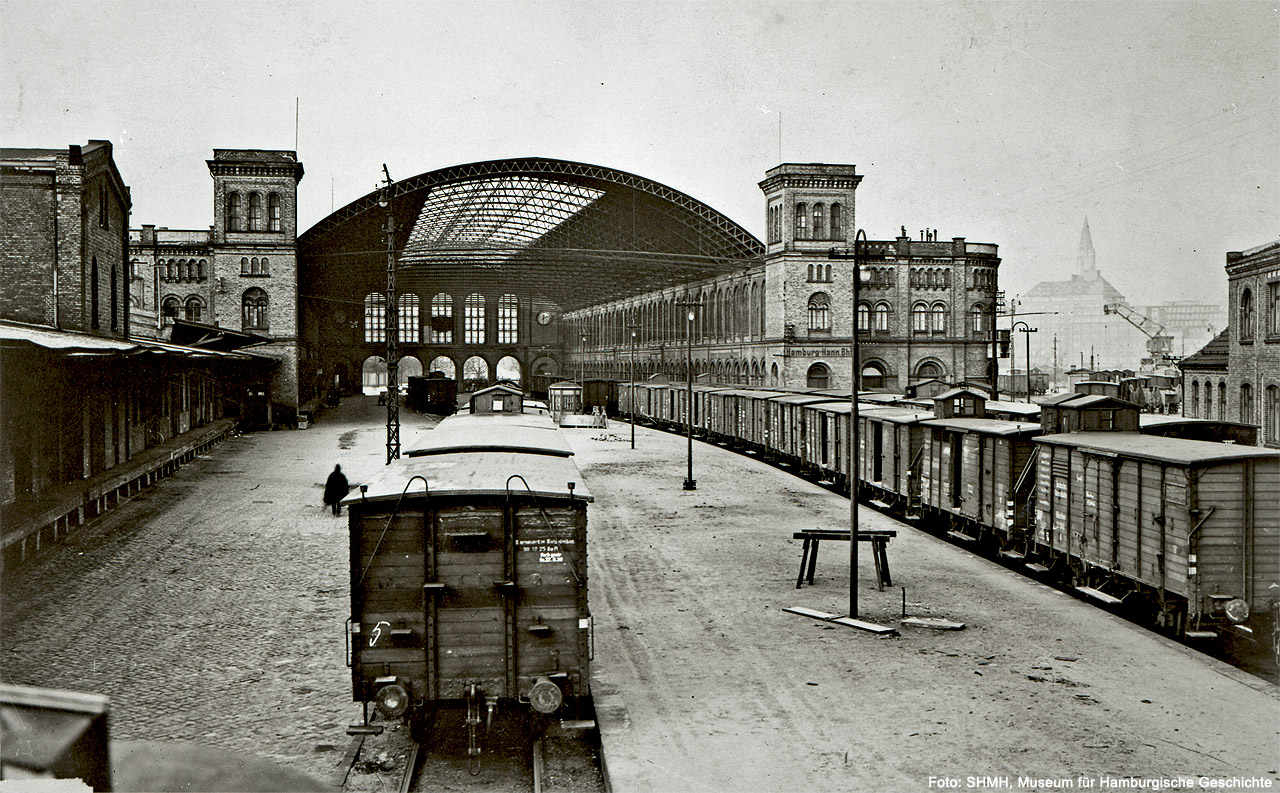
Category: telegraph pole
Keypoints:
(393, 325)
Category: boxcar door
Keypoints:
(552, 619)
(470, 620)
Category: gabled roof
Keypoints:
(962, 391)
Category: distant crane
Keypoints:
(1159, 343)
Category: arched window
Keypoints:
(93, 292)
(244, 265)
(1246, 404)
(508, 319)
(920, 318)
(928, 371)
(802, 221)
(882, 317)
(262, 266)
(255, 212)
(200, 269)
(1222, 401)
(864, 317)
(193, 309)
(1195, 399)
(819, 220)
(169, 310)
(811, 278)
(273, 212)
(375, 317)
(1208, 400)
(978, 319)
(115, 298)
(773, 374)
(254, 309)
(473, 317)
(235, 221)
(254, 266)
(1273, 414)
(837, 223)
(819, 376)
(1246, 315)
(819, 311)
(939, 318)
(1273, 308)
(872, 376)
(409, 330)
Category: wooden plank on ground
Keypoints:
(937, 623)
(808, 612)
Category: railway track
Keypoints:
(517, 757)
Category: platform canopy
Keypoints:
(573, 233)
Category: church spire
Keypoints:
(1085, 261)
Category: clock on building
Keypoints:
(544, 318)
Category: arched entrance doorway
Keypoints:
(508, 368)
(444, 364)
(373, 374)
(408, 367)
(475, 374)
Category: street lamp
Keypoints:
(689, 483)
(856, 277)
(633, 389)
(1027, 330)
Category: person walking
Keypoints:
(335, 489)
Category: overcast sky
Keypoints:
(999, 122)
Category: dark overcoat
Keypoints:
(335, 489)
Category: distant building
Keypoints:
(925, 309)
(1236, 377)
(240, 273)
(1071, 312)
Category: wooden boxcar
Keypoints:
(469, 572)
(1189, 526)
(971, 471)
(895, 446)
(790, 426)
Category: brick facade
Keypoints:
(64, 219)
(1253, 368)
(242, 272)
(927, 306)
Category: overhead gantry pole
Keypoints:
(393, 325)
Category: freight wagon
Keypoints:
(469, 574)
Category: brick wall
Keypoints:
(27, 209)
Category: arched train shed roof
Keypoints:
(574, 233)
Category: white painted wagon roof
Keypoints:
(898, 415)
(987, 426)
(1014, 407)
(842, 406)
(529, 433)
(1155, 447)
(477, 473)
(805, 399)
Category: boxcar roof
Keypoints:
(843, 406)
(752, 392)
(513, 432)
(898, 415)
(987, 426)
(1020, 408)
(477, 473)
(804, 399)
(1155, 447)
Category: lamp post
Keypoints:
(689, 483)
(1026, 330)
(856, 277)
(633, 389)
